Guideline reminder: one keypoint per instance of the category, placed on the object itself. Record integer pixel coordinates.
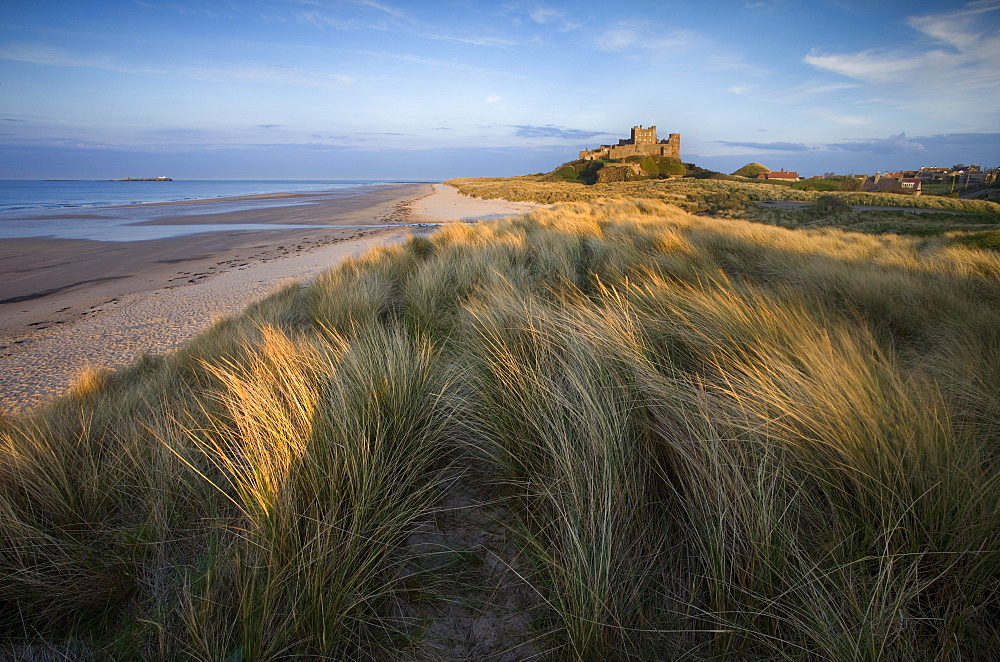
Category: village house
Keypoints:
(880, 184)
(781, 174)
(932, 174)
(971, 175)
(961, 174)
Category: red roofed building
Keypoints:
(789, 176)
(881, 184)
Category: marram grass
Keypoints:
(705, 438)
(700, 194)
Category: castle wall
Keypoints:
(643, 142)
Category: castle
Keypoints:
(642, 143)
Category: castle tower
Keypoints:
(641, 136)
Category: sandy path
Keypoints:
(46, 360)
(446, 203)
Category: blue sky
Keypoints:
(326, 89)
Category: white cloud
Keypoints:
(392, 19)
(896, 144)
(962, 29)
(391, 11)
(729, 62)
(445, 64)
(36, 54)
(270, 74)
(839, 118)
(871, 65)
(493, 98)
(496, 42)
(553, 17)
(617, 38)
(952, 65)
(323, 20)
(545, 15)
(627, 35)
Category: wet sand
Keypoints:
(66, 305)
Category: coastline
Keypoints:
(69, 305)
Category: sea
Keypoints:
(108, 210)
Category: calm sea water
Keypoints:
(94, 209)
(51, 195)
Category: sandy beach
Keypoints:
(70, 304)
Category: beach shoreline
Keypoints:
(68, 305)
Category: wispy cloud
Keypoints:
(552, 131)
(873, 65)
(447, 64)
(493, 98)
(37, 54)
(381, 18)
(322, 19)
(773, 147)
(897, 144)
(269, 74)
(382, 7)
(966, 29)
(633, 35)
(838, 117)
(386, 17)
(953, 63)
(496, 42)
(270, 126)
(544, 15)
(734, 63)
(908, 148)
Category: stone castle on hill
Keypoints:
(642, 143)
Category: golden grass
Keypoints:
(696, 194)
(707, 438)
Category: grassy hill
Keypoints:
(608, 430)
(751, 170)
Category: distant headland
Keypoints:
(147, 179)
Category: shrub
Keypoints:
(567, 173)
(830, 204)
(986, 240)
(619, 173)
(671, 167)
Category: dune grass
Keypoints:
(696, 195)
(706, 439)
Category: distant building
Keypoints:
(642, 143)
(932, 174)
(880, 184)
(971, 174)
(781, 174)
